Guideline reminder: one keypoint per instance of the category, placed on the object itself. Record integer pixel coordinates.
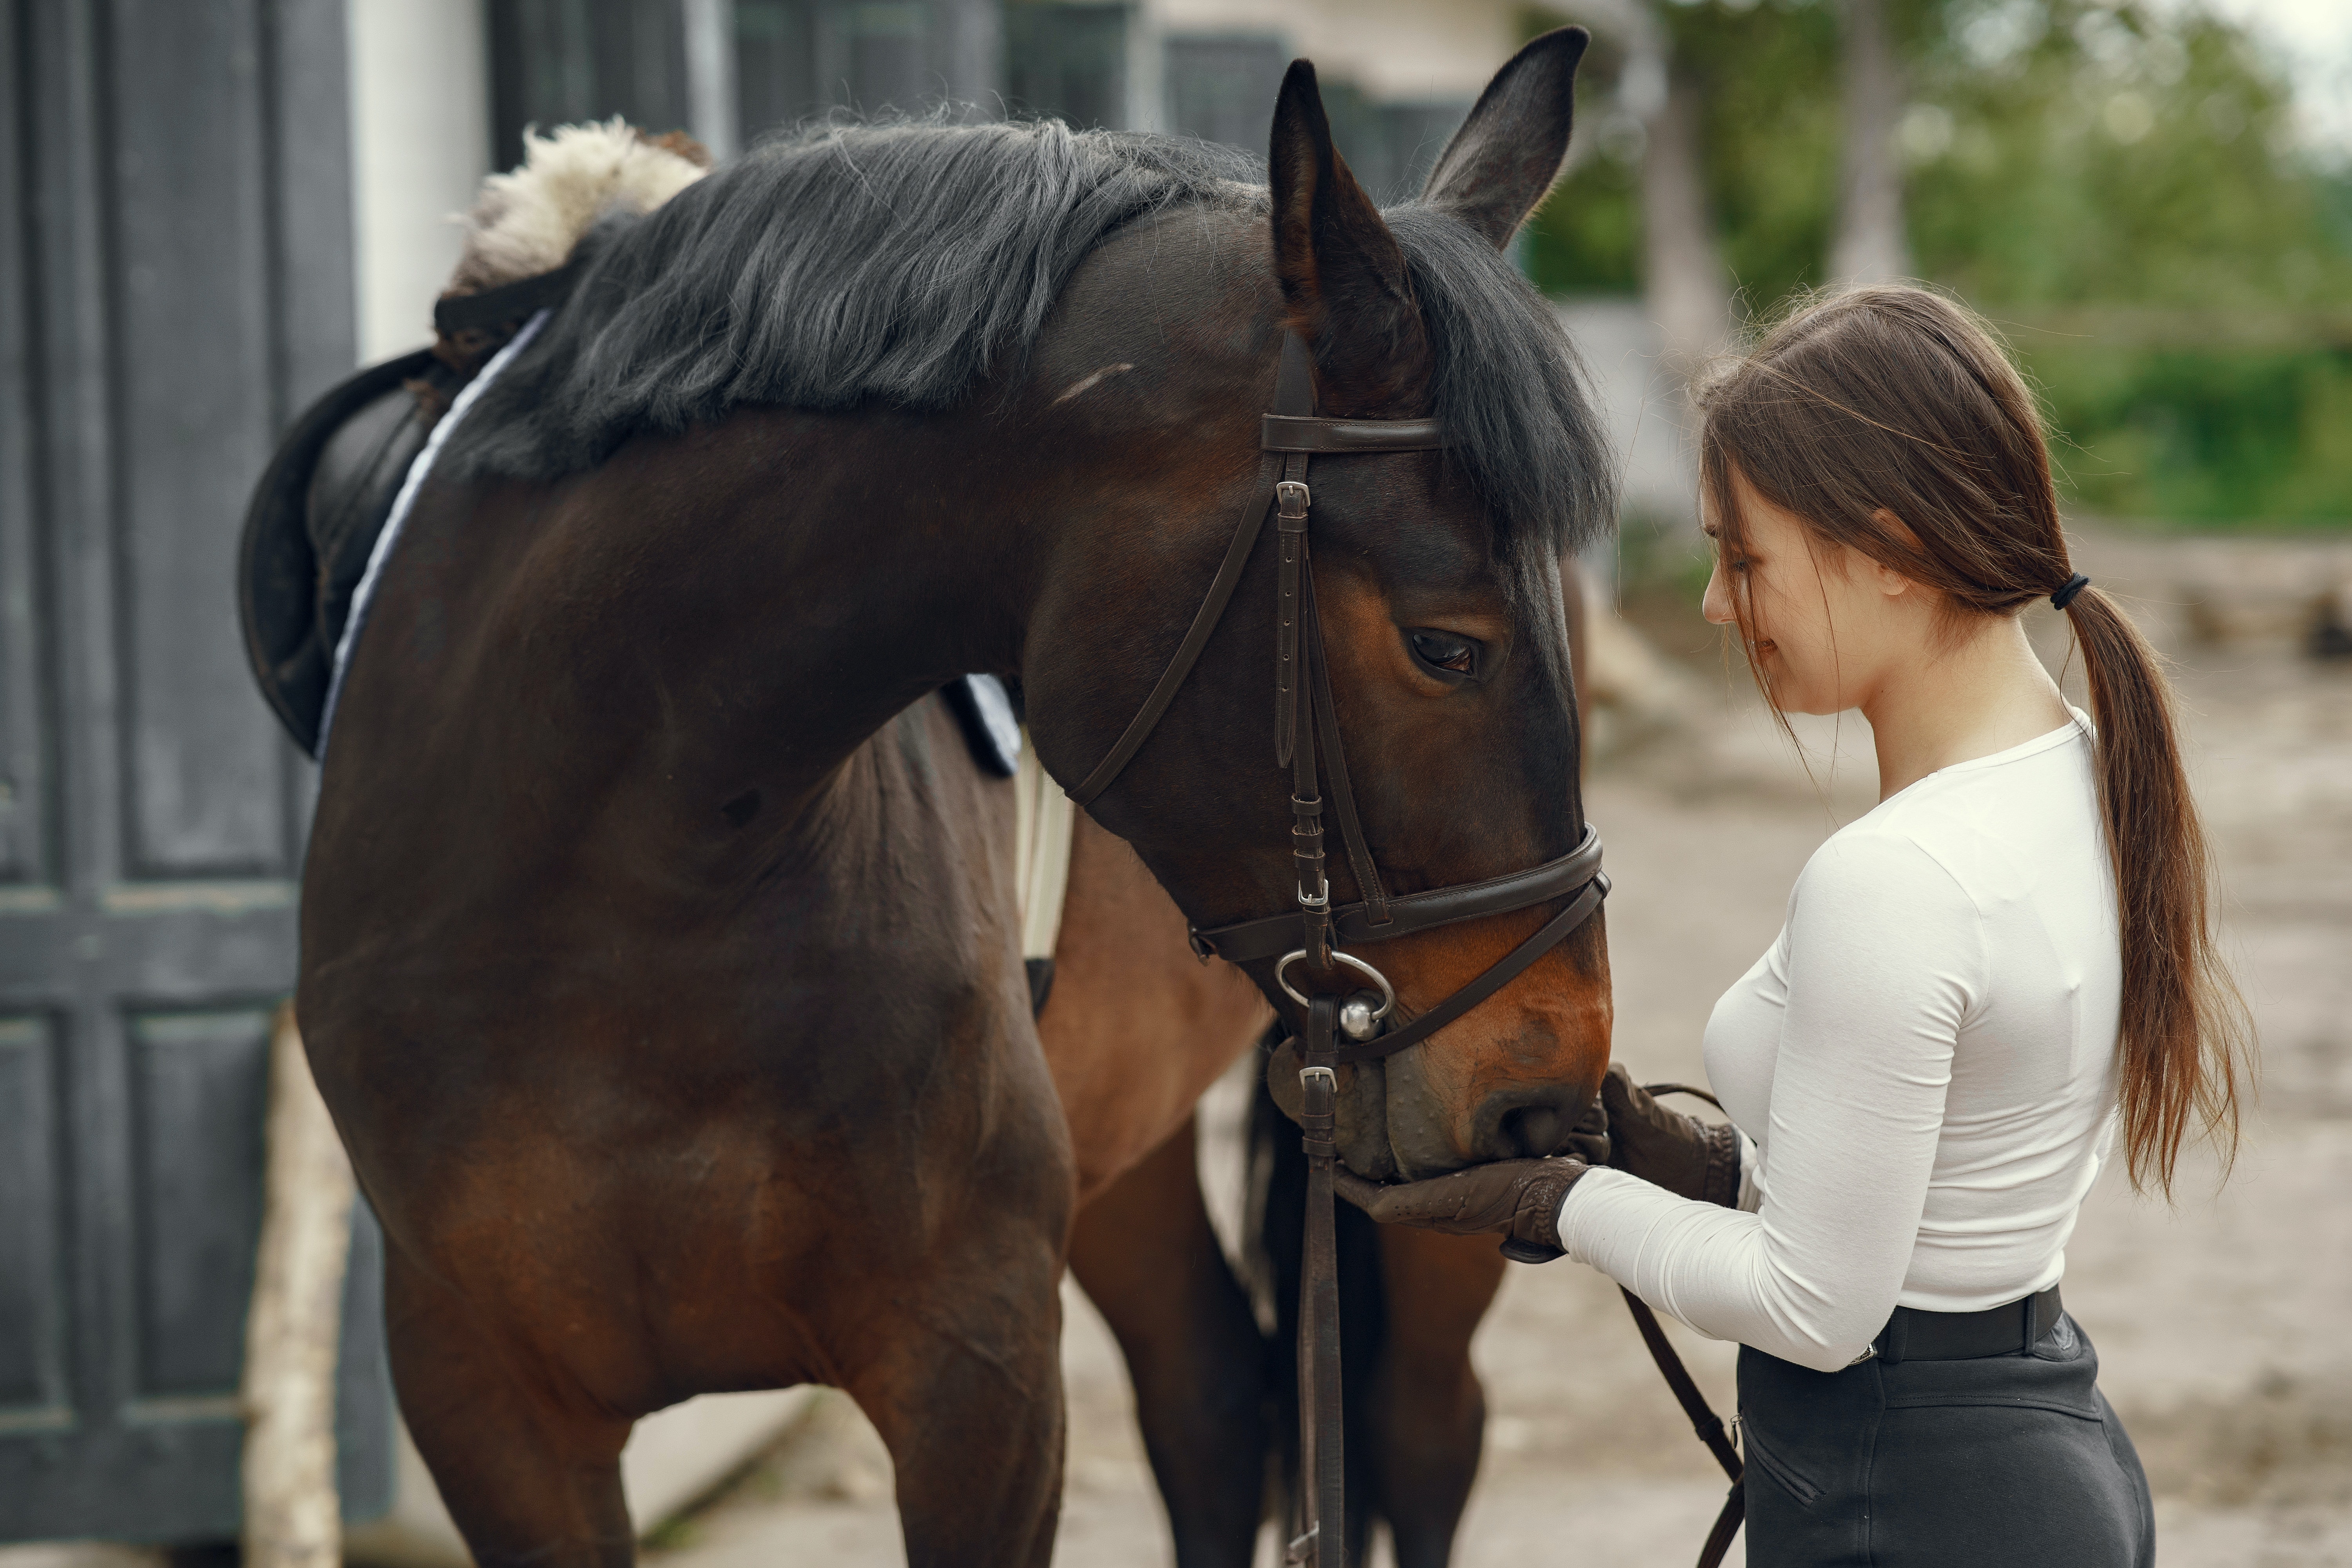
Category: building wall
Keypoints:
(1407, 51)
(420, 146)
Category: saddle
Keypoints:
(314, 519)
(327, 494)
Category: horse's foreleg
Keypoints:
(1147, 1256)
(1429, 1413)
(529, 1470)
(968, 1397)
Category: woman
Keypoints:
(1979, 982)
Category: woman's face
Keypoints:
(1824, 617)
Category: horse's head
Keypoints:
(1436, 576)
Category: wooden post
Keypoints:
(293, 1515)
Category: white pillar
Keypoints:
(710, 74)
(420, 146)
(1147, 72)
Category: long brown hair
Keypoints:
(1889, 419)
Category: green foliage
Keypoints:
(1768, 73)
(2202, 436)
(1587, 237)
(674, 1534)
(2064, 152)
(2334, 195)
(2063, 158)
(1772, 128)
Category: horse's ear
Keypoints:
(1343, 275)
(1503, 160)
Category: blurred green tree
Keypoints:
(1767, 71)
(2070, 158)
(2116, 181)
(2070, 153)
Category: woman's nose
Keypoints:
(1717, 605)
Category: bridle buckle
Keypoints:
(1292, 498)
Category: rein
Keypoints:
(1703, 1418)
(1308, 742)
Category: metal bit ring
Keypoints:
(1388, 992)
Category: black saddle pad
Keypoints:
(314, 519)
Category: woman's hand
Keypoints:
(1517, 1198)
(1686, 1156)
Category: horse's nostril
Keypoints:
(1532, 1131)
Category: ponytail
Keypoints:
(2183, 1039)
(1889, 420)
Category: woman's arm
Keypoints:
(1884, 960)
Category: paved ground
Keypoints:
(2222, 1323)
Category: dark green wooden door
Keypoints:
(175, 280)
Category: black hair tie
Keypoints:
(2065, 595)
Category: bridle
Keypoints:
(1304, 727)
(1307, 726)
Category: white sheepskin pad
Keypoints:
(526, 223)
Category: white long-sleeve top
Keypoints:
(1926, 1061)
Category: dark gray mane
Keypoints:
(841, 266)
(1509, 388)
(894, 264)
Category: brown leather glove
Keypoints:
(1686, 1156)
(1517, 1198)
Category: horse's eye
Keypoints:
(1442, 653)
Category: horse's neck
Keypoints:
(859, 567)
(850, 565)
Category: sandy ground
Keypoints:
(2221, 1322)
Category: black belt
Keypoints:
(2012, 1329)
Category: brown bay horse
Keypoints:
(659, 962)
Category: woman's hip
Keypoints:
(1919, 1463)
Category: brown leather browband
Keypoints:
(1295, 432)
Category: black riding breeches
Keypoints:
(2012, 1459)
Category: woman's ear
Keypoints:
(1886, 578)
